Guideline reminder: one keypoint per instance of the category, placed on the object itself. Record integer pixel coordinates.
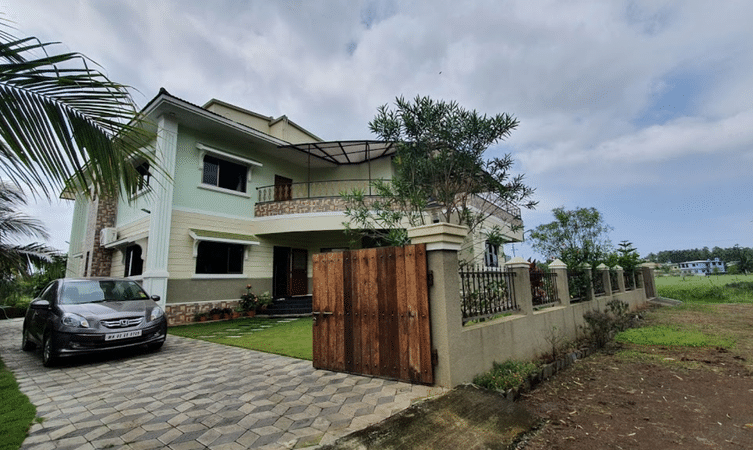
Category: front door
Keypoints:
(283, 188)
(299, 274)
(290, 273)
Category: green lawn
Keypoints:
(16, 412)
(711, 289)
(287, 337)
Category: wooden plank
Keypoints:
(319, 275)
(403, 320)
(357, 288)
(326, 320)
(414, 343)
(385, 355)
(371, 316)
(392, 329)
(347, 319)
(336, 319)
(422, 297)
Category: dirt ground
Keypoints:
(643, 397)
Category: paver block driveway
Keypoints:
(195, 394)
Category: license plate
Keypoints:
(123, 335)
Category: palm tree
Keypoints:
(19, 259)
(63, 124)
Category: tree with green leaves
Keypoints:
(440, 167)
(63, 124)
(575, 237)
(16, 259)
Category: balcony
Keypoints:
(306, 197)
(324, 196)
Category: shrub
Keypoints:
(601, 325)
(505, 376)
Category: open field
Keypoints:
(688, 384)
(711, 289)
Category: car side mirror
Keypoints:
(155, 298)
(40, 304)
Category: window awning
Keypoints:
(221, 236)
(128, 240)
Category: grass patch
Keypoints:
(711, 289)
(505, 376)
(16, 412)
(671, 337)
(287, 337)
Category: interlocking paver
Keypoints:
(196, 395)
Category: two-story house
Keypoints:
(244, 199)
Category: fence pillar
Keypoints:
(649, 284)
(563, 290)
(522, 281)
(443, 242)
(620, 278)
(588, 270)
(603, 272)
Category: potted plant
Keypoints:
(264, 300)
(215, 313)
(227, 313)
(200, 317)
(249, 302)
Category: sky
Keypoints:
(640, 109)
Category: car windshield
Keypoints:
(94, 291)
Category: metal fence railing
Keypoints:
(486, 292)
(613, 281)
(579, 283)
(598, 284)
(629, 280)
(544, 289)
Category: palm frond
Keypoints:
(63, 124)
(13, 222)
(22, 259)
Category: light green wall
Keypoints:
(188, 195)
(78, 228)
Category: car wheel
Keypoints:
(26, 344)
(48, 353)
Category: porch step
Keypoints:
(291, 306)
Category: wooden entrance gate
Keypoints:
(371, 313)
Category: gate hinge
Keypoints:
(430, 278)
(434, 357)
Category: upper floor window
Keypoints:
(134, 265)
(491, 255)
(224, 174)
(144, 175)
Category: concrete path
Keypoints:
(194, 395)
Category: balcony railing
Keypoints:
(313, 189)
(333, 188)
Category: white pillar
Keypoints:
(160, 218)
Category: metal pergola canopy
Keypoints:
(345, 152)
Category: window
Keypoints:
(144, 176)
(491, 255)
(219, 258)
(224, 174)
(134, 265)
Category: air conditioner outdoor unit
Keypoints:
(108, 236)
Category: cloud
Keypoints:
(610, 95)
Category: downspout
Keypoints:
(308, 175)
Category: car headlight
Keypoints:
(75, 321)
(156, 313)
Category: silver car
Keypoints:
(76, 316)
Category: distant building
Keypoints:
(702, 267)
